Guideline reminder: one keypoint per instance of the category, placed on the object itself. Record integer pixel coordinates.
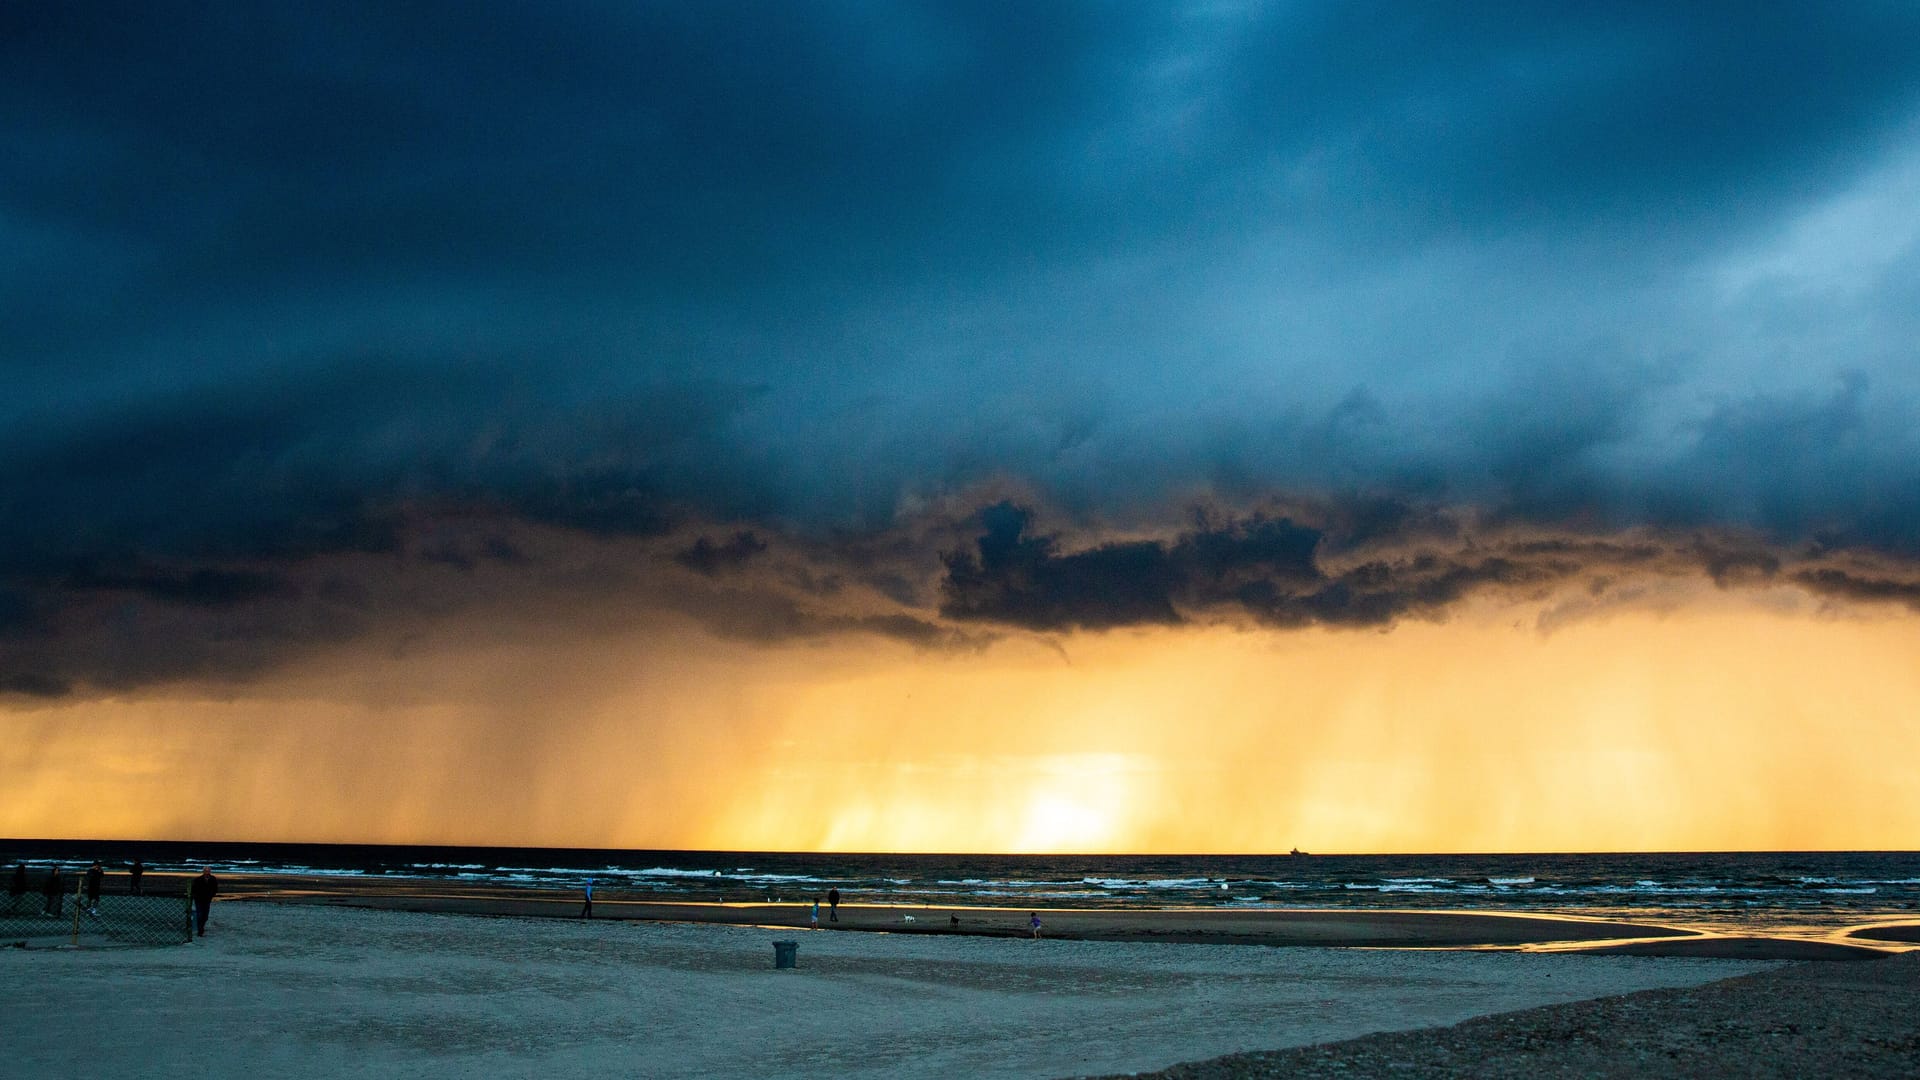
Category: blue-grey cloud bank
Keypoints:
(283, 283)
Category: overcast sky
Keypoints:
(935, 321)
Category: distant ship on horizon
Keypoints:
(1296, 851)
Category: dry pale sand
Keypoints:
(308, 990)
(1832, 1021)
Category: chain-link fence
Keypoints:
(35, 918)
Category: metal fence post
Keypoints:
(153, 919)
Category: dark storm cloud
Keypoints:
(1023, 580)
(1280, 572)
(1831, 463)
(1514, 110)
(1271, 569)
(33, 685)
(286, 284)
(710, 558)
(200, 587)
(1841, 583)
(769, 618)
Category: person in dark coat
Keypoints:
(51, 889)
(95, 875)
(18, 887)
(833, 904)
(133, 875)
(204, 889)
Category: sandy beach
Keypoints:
(310, 989)
(1805, 1020)
(311, 975)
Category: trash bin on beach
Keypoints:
(786, 954)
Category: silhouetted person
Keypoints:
(18, 887)
(203, 890)
(586, 909)
(95, 875)
(133, 875)
(51, 889)
(833, 905)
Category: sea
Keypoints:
(1723, 891)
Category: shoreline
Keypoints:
(1333, 928)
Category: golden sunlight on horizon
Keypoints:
(1739, 723)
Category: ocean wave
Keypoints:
(302, 871)
(674, 872)
(1155, 883)
(801, 879)
(548, 871)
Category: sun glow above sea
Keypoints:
(1733, 724)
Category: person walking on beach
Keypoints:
(586, 909)
(95, 875)
(51, 889)
(813, 920)
(204, 889)
(1033, 924)
(133, 875)
(17, 888)
(833, 904)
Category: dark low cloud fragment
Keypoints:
(1282, 572)
(32, 684)
(1854, 585)
(1269, 568)
(712, 559)
(769, 618)
(1379, 594)
(500, 549)
(1260, 548)
(1736, 564)
(19, 610)
(205, 587)
(1282, 579)
(1024, 580)
(466, 555)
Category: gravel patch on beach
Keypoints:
(1821, 1019)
